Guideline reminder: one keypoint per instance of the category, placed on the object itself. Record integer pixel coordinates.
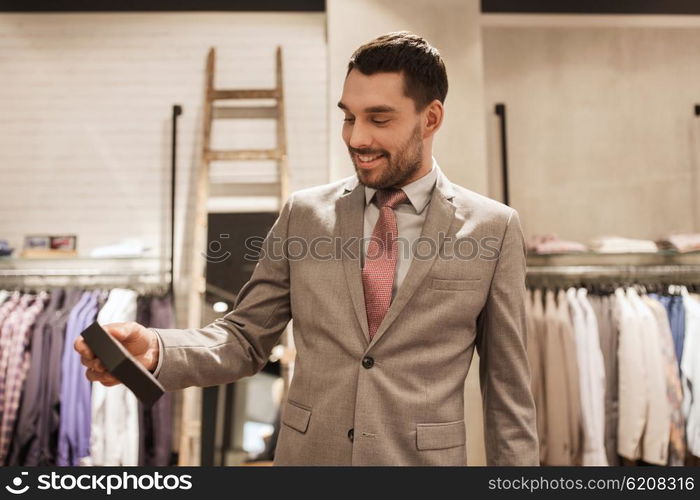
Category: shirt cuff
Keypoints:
(160, 353)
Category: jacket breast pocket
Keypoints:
(455, 284)
(296, 417)
(441, 436)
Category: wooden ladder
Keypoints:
(271, 108)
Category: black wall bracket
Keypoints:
(500, 110)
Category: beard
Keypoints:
(400, 167)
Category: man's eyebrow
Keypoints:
(371, 109)
(379, 109)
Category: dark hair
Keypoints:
(424, 71)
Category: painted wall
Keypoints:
(602, 138)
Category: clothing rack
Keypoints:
(69, 272)
(35, 278)
(677, 270)
(613, 275)
(59, 415)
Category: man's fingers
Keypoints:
(104, 378)
(96, 371)
(93, 364)
(82, 348)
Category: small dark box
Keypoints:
(120, 363)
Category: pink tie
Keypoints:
(380, 261)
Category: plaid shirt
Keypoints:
(8, 322)
(5, 309)
(18, 365)
(8, 305)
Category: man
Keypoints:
(385, 327)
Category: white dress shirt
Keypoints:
(657, 430)
(579, 329)
(591, 379)
(596, 374)
(690, 373)
(632, 379)
(114, 437)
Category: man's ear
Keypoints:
(433, 115)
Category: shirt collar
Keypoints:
(418, 191)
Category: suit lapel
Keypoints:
(437, 223)
(351, 212)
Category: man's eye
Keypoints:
(380, 122)
(349, 120)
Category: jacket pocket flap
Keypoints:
(443, 284)
(441, 436)
(296, 417)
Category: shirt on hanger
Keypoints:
(690, 373)
(115, 421)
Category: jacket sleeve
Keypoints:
(509, 411)
(238, 344)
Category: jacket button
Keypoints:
(367, 362)
(351, 434)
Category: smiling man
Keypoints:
(393, 107)
(384, 334)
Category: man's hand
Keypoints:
(141, 342)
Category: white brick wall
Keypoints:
(85, 107)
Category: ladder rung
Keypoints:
(230, 204)
(244, 94)
(245, 188)
(243, 155)
(235, 112)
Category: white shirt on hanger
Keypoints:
(632, 380)
(596, 374)
(690, 372)
(114, 438)
(657, 431)
(591, 451)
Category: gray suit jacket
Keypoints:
(402, 393)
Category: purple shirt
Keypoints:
(74, 429)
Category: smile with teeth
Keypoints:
(368, 158)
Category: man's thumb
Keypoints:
(120, 331)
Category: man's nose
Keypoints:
(360, 137)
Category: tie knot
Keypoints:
(390, 198)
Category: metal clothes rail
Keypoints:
(642, 271)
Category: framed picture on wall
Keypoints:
(63, 242)
(37, 242)
(44, 246)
